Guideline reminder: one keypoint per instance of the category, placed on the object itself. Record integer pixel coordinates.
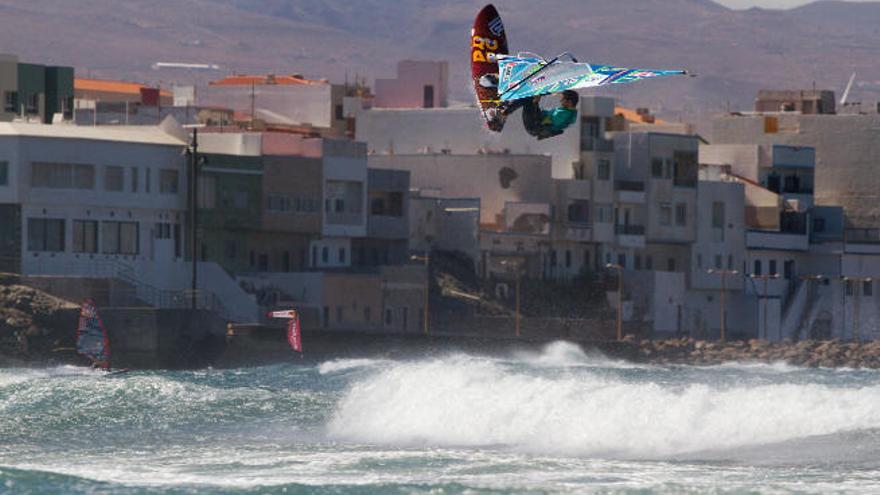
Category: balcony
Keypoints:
(779, 241)
(629, 229)
(685, 182)
(862, 236)
(626, 191)
(592, 143)
(631, 236)
(578, 232)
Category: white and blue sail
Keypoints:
(527, 76)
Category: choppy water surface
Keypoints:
(556, 421)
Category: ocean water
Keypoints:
(553, 421)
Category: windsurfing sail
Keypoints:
(294, 335)
(488, 42)
(91, 336)
(527, 76)
(294, 330)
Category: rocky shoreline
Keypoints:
(808, 353)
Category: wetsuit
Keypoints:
(543, 123)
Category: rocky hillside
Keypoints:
(33, 323)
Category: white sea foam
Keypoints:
(338, 365)
(464, 401)
(563, 354)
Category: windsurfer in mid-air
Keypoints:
(504, 82)
(540, 123)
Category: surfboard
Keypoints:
(488, 40)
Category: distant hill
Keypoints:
(734, 52)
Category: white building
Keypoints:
(419, 84)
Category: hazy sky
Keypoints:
(767, 4)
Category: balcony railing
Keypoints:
(685, 182)
(590, 143)
(629, 185)
(862, 236)
(629, 229)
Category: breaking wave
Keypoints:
(465, 401)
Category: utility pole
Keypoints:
(807, 280)
(724, 274)
(517, 269)
(194, 213)
(766, 279)
(619, 269)
(427, 259)
(857, 282)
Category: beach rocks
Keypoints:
(826, 354)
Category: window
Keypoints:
(657, 168)
(603, 214)
(134, 179)
(868, 288)
(699, 261)
(45, 234)
(621, 260)
(772, 267)
(757, 268)
(342, 255)
(686, 169)
(428, 96)
(649, 262)
(230, 250)
(148, 180)
(168, 181)
(240, 200)
(389, 316)
(119, 238)
(207, 194)
(681, 214)
(10, 102)
(638, 260)
(586, 258)
(62, 176)
(665, 214)
(163, 230)
(579, 211)
(114, 178)
(326, 316)
(340, 112)
(603, 170)
(718, 261)
(368, 316)
(325, 255)
(85, 236)
(553, 258)
(568, 258)
(670, 265)
(818, 224)
(33, 103)
(718, 214)
(730, 262)
(4, 173)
